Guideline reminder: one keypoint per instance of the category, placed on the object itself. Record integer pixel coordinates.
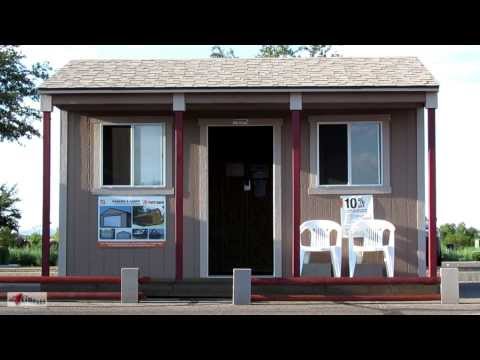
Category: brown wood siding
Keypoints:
(85, 258)
(399, 207)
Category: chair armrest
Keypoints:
(305, 247)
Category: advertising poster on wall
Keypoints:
(131, 219)
(354, 208)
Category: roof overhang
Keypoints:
(65, 91)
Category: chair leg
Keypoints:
(336, 255)
(302, 255)
(352, 260)
(389, 253)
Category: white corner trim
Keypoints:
(422, 244)
(295, 101)
(46, 103)
(63, 202)
(179, 102)
(431, 100)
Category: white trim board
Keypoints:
(277, 188)
(98, 188)
(63, 195)
(422, 243)
(384, 188)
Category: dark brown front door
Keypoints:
(240, 199)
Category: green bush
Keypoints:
(459, 254)
(31, 256)
(4, 255)
(476, 255)
(53, 245)
(53, 258)
(35, 240)
(25, 256)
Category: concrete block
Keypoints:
(449, 286)
(242, 286)
(317, 269)
(129, 285)
(369, 270)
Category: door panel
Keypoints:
(240, 199)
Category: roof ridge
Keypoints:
(339, 58)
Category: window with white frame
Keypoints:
(350, 153)
(133, 155)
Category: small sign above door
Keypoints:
(240, 122)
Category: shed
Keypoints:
(244, 150)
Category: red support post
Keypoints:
(46, 195)
(432, 196)
(179, 195)
(296, 193)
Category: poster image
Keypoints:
(355, 208)
(131, 219)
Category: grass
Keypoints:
(460, 254)
(30, 256)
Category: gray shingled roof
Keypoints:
(242, 73)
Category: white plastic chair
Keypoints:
(372, 233)
(320, 241)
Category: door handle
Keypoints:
(247, 187)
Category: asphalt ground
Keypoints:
(224, 307)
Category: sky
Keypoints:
(457, 68)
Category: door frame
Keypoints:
(276, 124)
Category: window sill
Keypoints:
(131, 244)
(349, 190)
(134, 191)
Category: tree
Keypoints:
(7, 237)
(446, 230)
(219, 52)
(299, 51)
(56, 236)
(277, 51)
(17, 84)
(35, 240)
(458, 235)
(9, 214)
(318, 50)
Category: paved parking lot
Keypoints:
(224, 307)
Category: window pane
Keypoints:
(116, 155)
(365, 153)
(148, 154)
(333, 154)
